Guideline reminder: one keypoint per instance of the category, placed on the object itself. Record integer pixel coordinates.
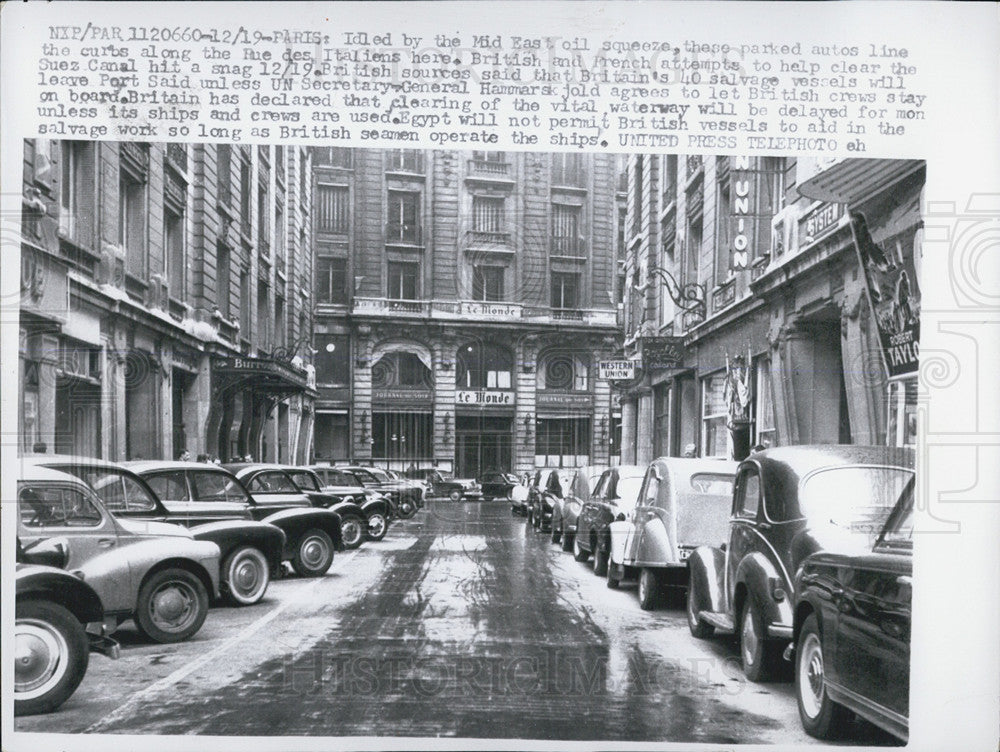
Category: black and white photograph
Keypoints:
(482, 444)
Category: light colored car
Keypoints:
(152, 572)
(566, 509)
(684, 503)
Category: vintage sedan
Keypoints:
(566, 510)
(497, 485)
(614, 497)
(852, 631)
(151, 572)
(553, 485)
(51, 646)
(440, 483)
(406, 499)
(788, 503)
(250, 550)
(519, 505)
(209, 493)
(374, 504)
(684, 503)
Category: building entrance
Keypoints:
(482, 443)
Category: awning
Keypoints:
(260, 375)
(853, 181)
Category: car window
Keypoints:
(305, 481)
(627, 491)
(650, 490)
(43, 506)
(748, 494)
(858, 499)
(379, 476)
(209, 486)
(169, 486)
(712, 484)
(898, 532)
(272, 482)
(118, 491)
(601, 489)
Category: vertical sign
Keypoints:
(742, 220)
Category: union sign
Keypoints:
(616, 370)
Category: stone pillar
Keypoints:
(864, 371)
(644, 428)
(48, 357)
(629, 415)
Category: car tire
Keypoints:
(556, 532)
(757, 653)
(378, 526)
(51, 656)
(614, 581)
(172, 606)
(313, 554)
(820, 715)
(352, 531)
(246, 575)
(601, 556)
(455, 494)
(699, 629)
(578, 553)
(407, 509)
(567, 541)
(650, 589)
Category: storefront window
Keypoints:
(332, 360)
(403, 437)
(484, 367)
(715, 436)
(562, 442)
(661, 420)
(331, 437)
(902, 423)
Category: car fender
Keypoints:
(375, 506)
(571, 513)
(618, 530)
(347, 508)
(760, 578)
(231, 534)
(294, 522)
(60, 587)
(656, 548)
(707, 568)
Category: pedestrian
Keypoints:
(185, 456)
(202, 457)
(216, 460)
(690, 450)
(248, 458)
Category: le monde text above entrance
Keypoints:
(484, 398)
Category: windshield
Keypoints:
(628, 492)
(857, 499)
(118, 491)
(380, 476)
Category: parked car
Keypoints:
(566, 510)
(614, 497)
(440, 483)
(373, 503)
(519, 506)
(496, 485)
(684, 503)
(51, 646)
(852, 631)
(419, 487)
(250, 551)
(553, 487)
(210, 493)
(151, 572)
(788, 503)
(406, 499)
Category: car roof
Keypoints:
(66, 459)
(140, 466)
(628, 471)
(241, 468)
(697, 464)
(36, 473)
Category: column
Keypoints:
(644, 428)
(629, 415)
(444, 404)
(864, 371)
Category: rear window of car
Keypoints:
(857, 499)
(712, 484)
(305, 481)
(272, 483)
(216, 487)
(169, 486)
(42, 506)
(118, 491)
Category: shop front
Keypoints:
(564, 429)
(484, 431)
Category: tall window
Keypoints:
(565, 290)
(567, 169)
(246, 198)
(333, 364)
(405, 160)
(331, 280)
(279, 235)
(767, 434)
(403, 280)
(224, 154)
(723, 251)
(403, 217)
(222, 292)
(483, 366)
(771, 193)
(637, 180)
(566, 235)
(176, 262)
(487, 282)
(714, 413)
(335, 156)
(263, 316)
(263, 217)
(333, 208)
(693, 248)
(563, 372)
(669, 180)
(132, 221)
(280, 322)
(489, 220)
(245, 303)
(76, 173)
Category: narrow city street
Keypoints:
(463, 622)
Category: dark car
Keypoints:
(202, 492)
(249, 550)
(613, 498)
(344, 486)
(440, 483)
(520, 506)
(51, 646)
(497, 485)
(553, 484)
(788, 503)
(406, 499)
(852, 631)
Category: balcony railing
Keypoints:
(489, 167)
(489, 237)
(567, 314)
(401, 233)
(569, 246)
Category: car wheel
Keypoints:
(578, 553)
(756, 651)
(246, 575)
(567, 541)
(600, 560)
(613, 579)
(50, 656)
(172, 606)
(313, 554)
(455, 494)
(352, 531)
(378, 526)
(407, 509)
(820, 715)
(556, 531)
(699, 629)
(649, 589)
